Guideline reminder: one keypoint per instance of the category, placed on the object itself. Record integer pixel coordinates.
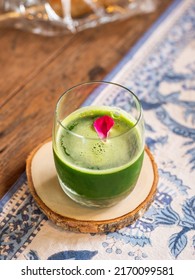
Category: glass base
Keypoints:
(95, 203)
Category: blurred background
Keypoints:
(47, 47)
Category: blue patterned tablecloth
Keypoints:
(160, 69)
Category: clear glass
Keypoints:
(55, 17)
(92, 171)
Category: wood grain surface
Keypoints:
(94, 225)
(36, 70)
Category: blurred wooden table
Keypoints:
(36, 70)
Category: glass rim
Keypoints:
(97, 82)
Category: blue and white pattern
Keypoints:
(160, 69)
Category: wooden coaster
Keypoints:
(59, 208)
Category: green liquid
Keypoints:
(98, 170)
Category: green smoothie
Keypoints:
(99, 171)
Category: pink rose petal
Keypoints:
(103, 125)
